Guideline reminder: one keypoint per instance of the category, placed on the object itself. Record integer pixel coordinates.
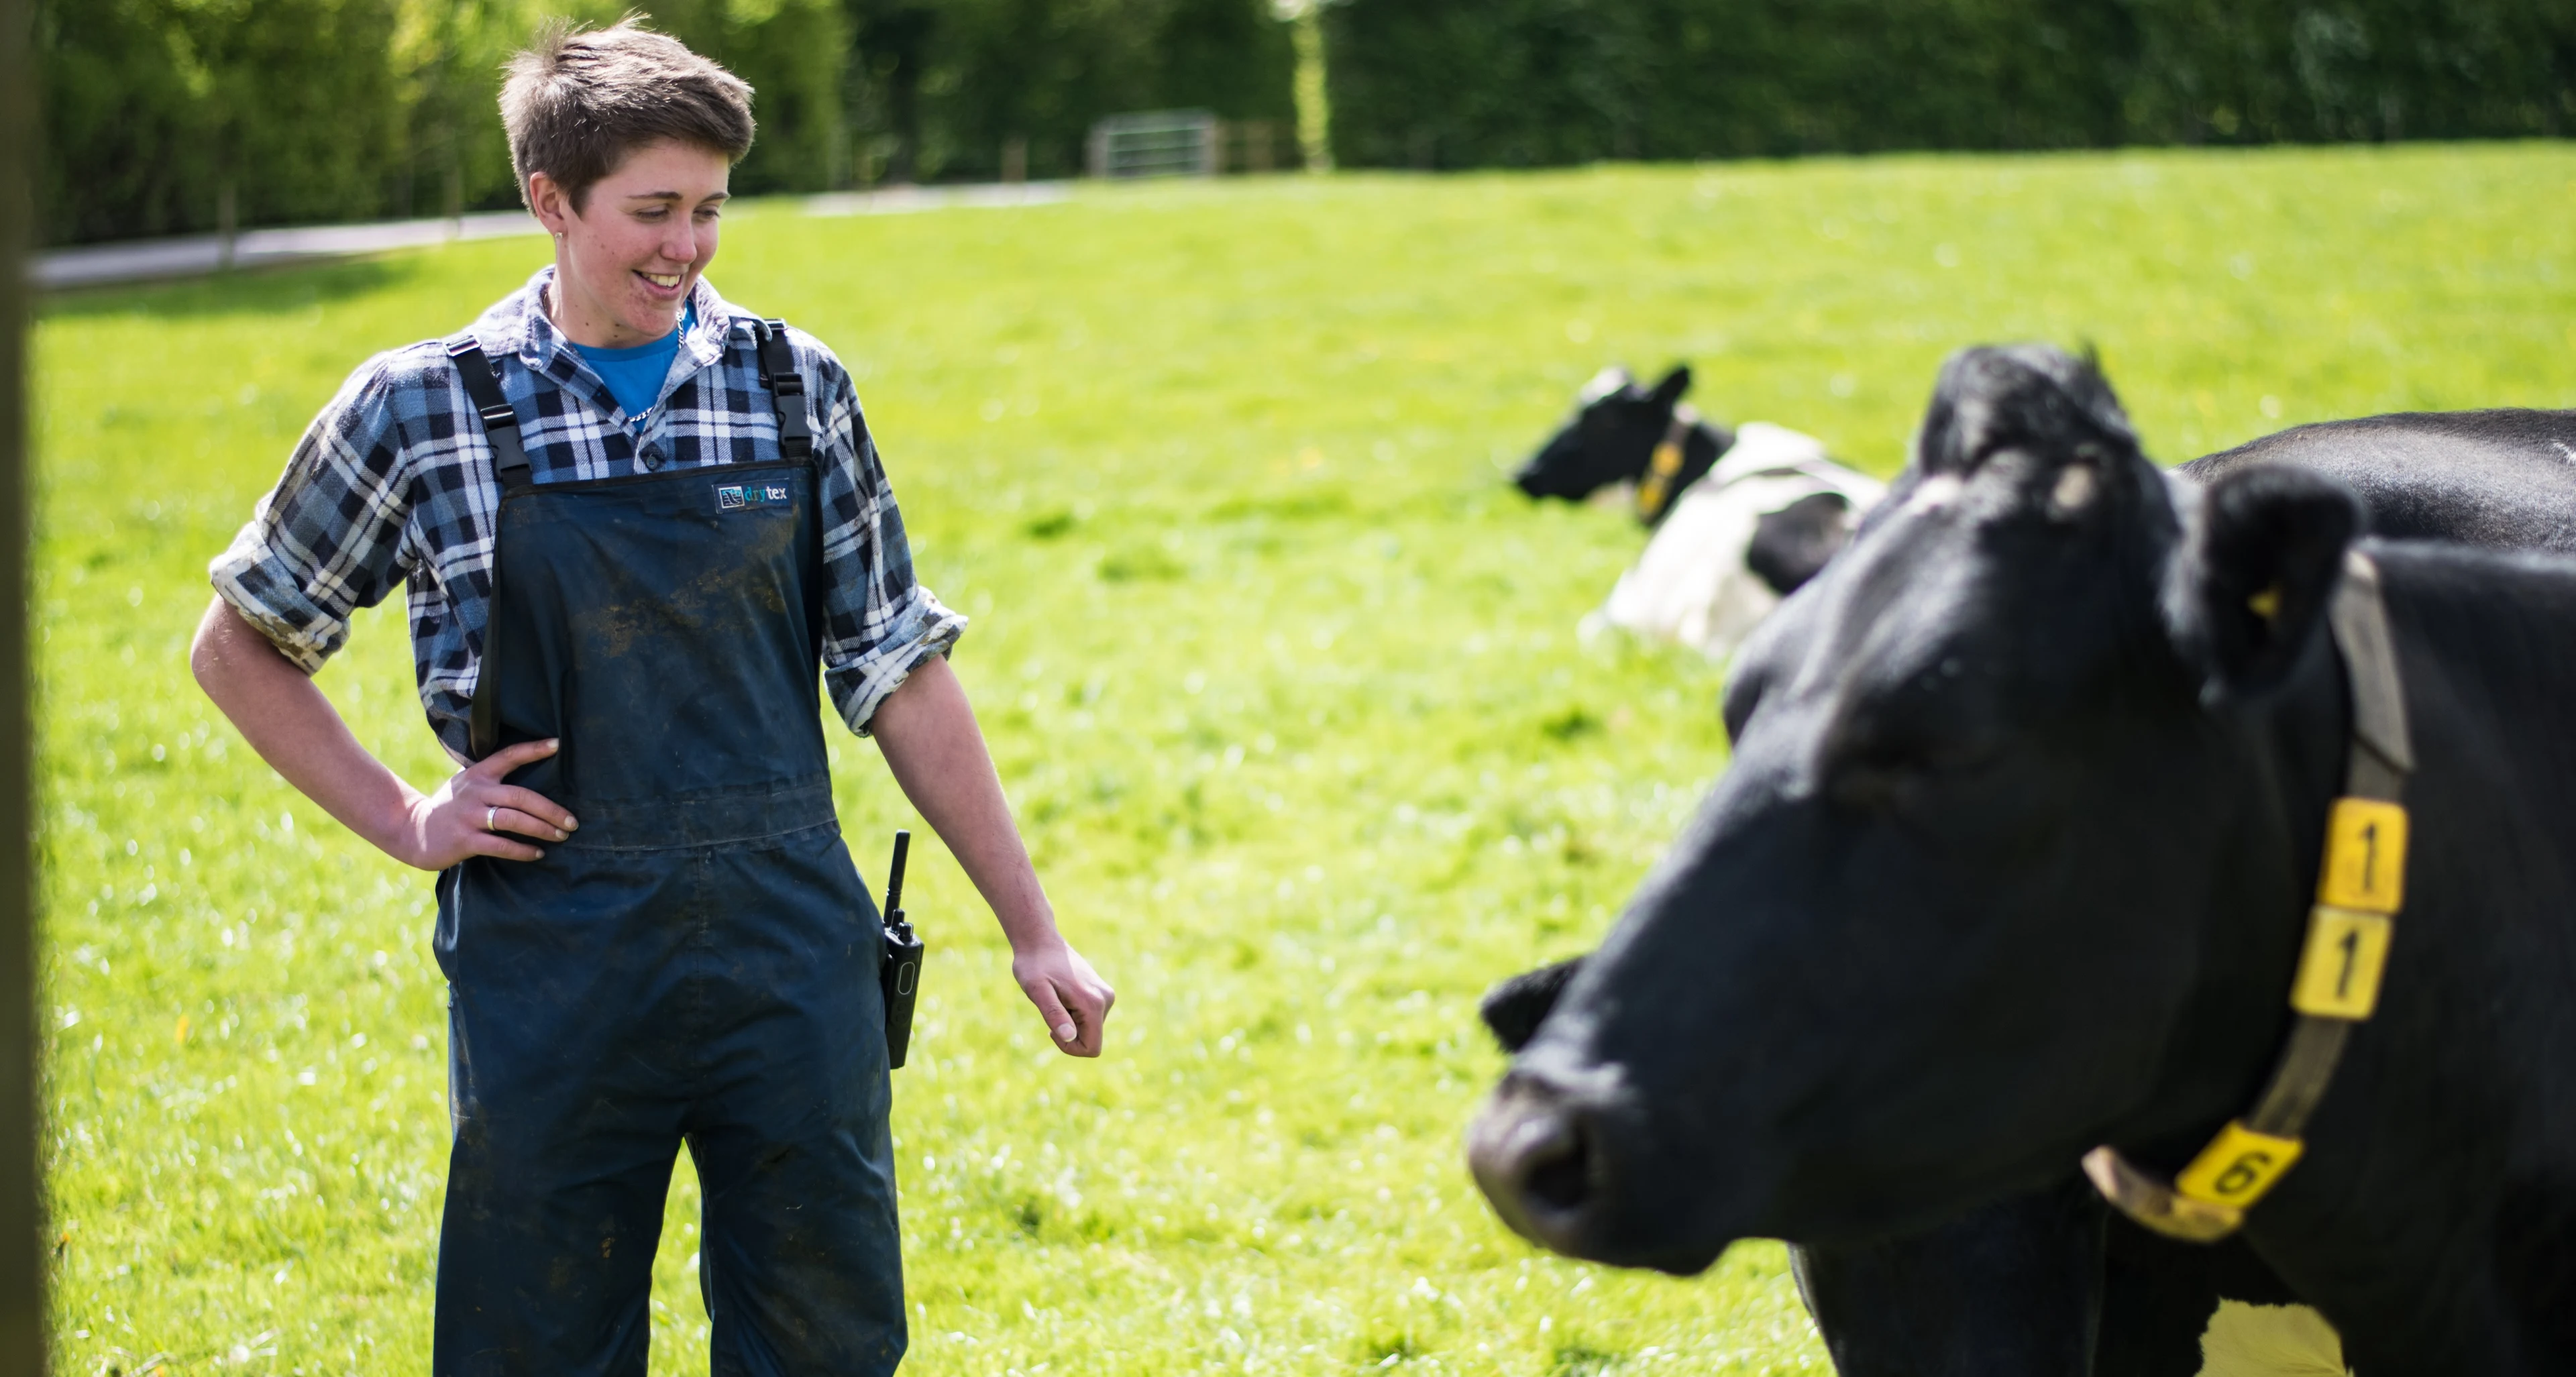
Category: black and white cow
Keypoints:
(2020, 804)
(1760, 523)
(1609, 444)
(1740, 517)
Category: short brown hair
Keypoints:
(577, 101)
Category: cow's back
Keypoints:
(2505, 479)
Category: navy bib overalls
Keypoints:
(697, 963)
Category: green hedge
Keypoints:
(1459, 83)
(1044, 70)
(151, 104)
(322, 110)
(333, 110)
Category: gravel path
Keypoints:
(141, 260)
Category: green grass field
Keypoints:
(1282, 677)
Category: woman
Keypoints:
(634, 522)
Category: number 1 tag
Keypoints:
(2365, 865)
(2339, 971)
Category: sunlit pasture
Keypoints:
(1284, 680)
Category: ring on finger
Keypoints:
(492, 818)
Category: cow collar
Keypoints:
(2337, 983)
(1656, 492)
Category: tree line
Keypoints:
(169, 116)
(162, 115)
(1481, 83)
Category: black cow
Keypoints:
(1612, 438)
(2033, 1283)
(2011, 861)
(2047, 1283)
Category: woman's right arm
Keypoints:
(284, 716)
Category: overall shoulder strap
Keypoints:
(786, 388)
(500, 423)
(509, 464)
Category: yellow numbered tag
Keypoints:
(1665, 466)
(2365, 865)
(2237, 1167)
(2339, 972)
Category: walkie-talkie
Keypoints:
(900, 976)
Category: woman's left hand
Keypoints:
(1071, 995)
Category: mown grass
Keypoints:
(1284, 682)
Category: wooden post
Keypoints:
(1015, 158)
(1257, 135)
(227, 225)
(22, 1277)
(1314, 99)
(451, 201)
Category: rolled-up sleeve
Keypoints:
(329, 539)
(879, 624)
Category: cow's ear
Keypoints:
(1676, 384)
(2257, 572)
(1515, 1008)
(1609, 382)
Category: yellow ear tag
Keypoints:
(2365, 865)
(2340, 969)
(2237, 1167)
(2266, 604)
(1660, 471)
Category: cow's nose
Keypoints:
(1535, 1156)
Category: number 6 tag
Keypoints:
(2238, 1167)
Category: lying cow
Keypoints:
(1943, 741)
(1761, 522)
(1741, 518)
(1642, 445)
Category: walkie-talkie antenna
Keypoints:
(894, 876)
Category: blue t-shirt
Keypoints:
(634, 376)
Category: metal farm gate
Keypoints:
(1154, 143)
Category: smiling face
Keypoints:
(627, 256)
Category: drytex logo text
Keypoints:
(734, 499)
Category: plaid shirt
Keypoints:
(393, 483)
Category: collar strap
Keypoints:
(2337, 985)
(1655, 493)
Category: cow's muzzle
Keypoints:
(1562, 1164)
(1536, 1156)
